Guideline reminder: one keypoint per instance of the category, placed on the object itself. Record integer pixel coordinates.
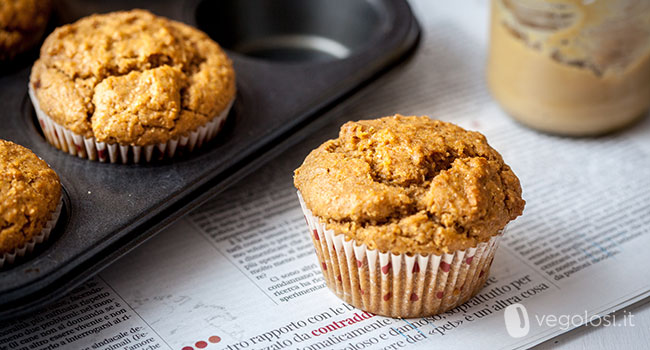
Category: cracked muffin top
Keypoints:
(29, 192)
(410, 185)
(132, 78)
(22, 23)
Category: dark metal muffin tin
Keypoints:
(294, 59)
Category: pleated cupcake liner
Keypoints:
(9, 258)
(89, 148)
(398, 285)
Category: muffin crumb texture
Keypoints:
(29, 192)
(410, 185)
(132, 78)
(22, 23)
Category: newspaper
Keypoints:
(241, 273)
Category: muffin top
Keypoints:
(410, 185)
(21, 25)
(132, 78)
(29, 192)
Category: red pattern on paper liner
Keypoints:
(464, 270)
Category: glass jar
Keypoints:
(572, 67)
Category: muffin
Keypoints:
(122, 85)
(22, 23)
(406, 213)
(30, 201)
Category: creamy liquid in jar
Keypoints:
(573, 67)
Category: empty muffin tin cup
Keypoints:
(291, 30)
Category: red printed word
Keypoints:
(343, 323)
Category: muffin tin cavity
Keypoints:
(291, 30)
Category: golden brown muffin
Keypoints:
(29, 193)
(132, 78)
(22, 23)
(406, 213)
(410, 185)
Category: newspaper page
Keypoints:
(241, 273)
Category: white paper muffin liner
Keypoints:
(9, 258)
(398, 285)
(89, 148)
